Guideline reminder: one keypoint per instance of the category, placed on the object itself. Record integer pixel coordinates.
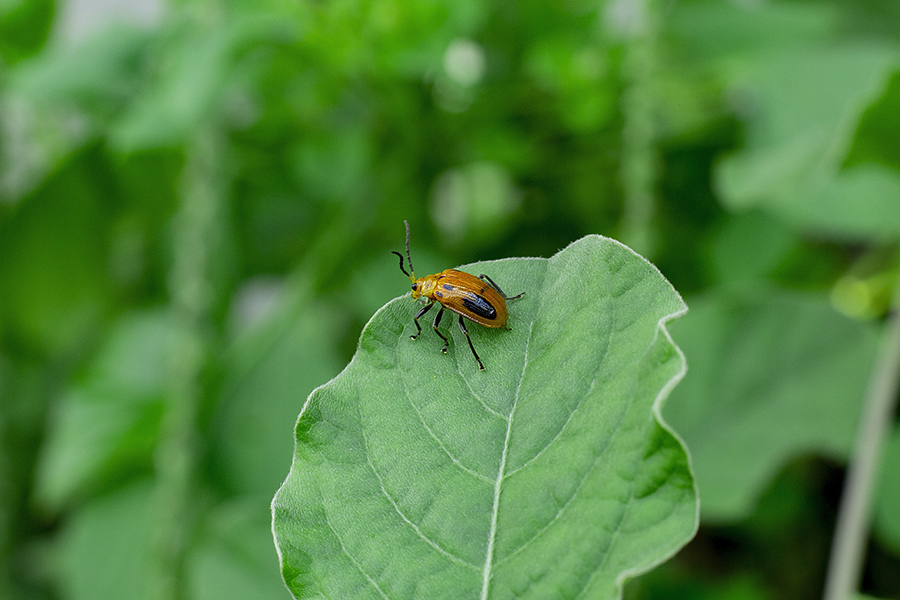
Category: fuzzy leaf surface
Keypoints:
(548, 475)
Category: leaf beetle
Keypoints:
(477, 299)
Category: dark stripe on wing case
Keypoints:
(479, 306)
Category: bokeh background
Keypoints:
(198, 200)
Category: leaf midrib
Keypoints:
(501, 475)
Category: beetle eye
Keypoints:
(414, 286)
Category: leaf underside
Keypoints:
(548, 475)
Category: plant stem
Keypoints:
(190, 279)
(855, 513)
(639, 170)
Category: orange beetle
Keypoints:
(477, 299)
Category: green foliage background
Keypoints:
(196, 213)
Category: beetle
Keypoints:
(477, 299)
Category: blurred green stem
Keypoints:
(855, 513)
(191, 290)
(639, 169)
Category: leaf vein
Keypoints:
(568, 502)
(481, 400)
(569, 418)
(441, 445)
(586, 473)
(612, 541)
(495, 510)
(354, 561)
(415, 527)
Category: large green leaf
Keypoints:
(548, 475)
(774, 375)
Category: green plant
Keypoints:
(549, 474)
(196, 214)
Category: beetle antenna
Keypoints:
(401, 263)
(411, 274)
(408, 259)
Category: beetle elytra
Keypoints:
(477, 299)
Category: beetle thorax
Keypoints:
(425, 287)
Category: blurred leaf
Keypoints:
(669, 582)
(198, 71)
(268, 370)
(773, 376)
(105, 426)
(97, 75)
(858, 202)
(235, 559)
(549, 474)
(105, 549)
(53, 279)
(887, 499)
(720, 31)
(63, 97)
(801, 84)
(336, 166)
(706, 38)
(811, 96)
(879, 129)
(749, 246)
(24, 25)
(802, 110)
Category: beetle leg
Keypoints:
(437, 321)
(416, 319)
(462, 325)
(484, 277)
